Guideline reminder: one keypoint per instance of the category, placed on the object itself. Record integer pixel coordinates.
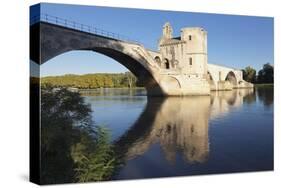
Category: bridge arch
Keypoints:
(49, 40)
(231, 77)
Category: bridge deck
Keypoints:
(73, 25)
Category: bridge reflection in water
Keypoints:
(178, 125)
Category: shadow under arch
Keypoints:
(49, 40)
(231, 77)
(211, 81)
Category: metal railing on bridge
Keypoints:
(80, 27)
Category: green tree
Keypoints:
(131, 79)
(92, 81)
(249, 74)
(266, 74)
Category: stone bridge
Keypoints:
(179, 67)
(225, 78)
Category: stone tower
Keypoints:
(183, 61)
(195, 56)
(186, 54)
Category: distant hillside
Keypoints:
(92, 81)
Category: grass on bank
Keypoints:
(264, 85)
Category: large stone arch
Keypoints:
(48, 41)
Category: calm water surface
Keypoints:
(229, 131)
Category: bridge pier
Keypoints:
(224, 86)
(179, 85)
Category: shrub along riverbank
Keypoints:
(73, 149)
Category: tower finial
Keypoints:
(167, 31)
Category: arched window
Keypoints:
(190, 61)
(158, 60)
(167, 64)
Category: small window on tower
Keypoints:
(189, 37)
(190, 61)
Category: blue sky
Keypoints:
(235, 41)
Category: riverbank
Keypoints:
(106, 89)
(264, 85)
(113, 91)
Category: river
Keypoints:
(228, 131)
